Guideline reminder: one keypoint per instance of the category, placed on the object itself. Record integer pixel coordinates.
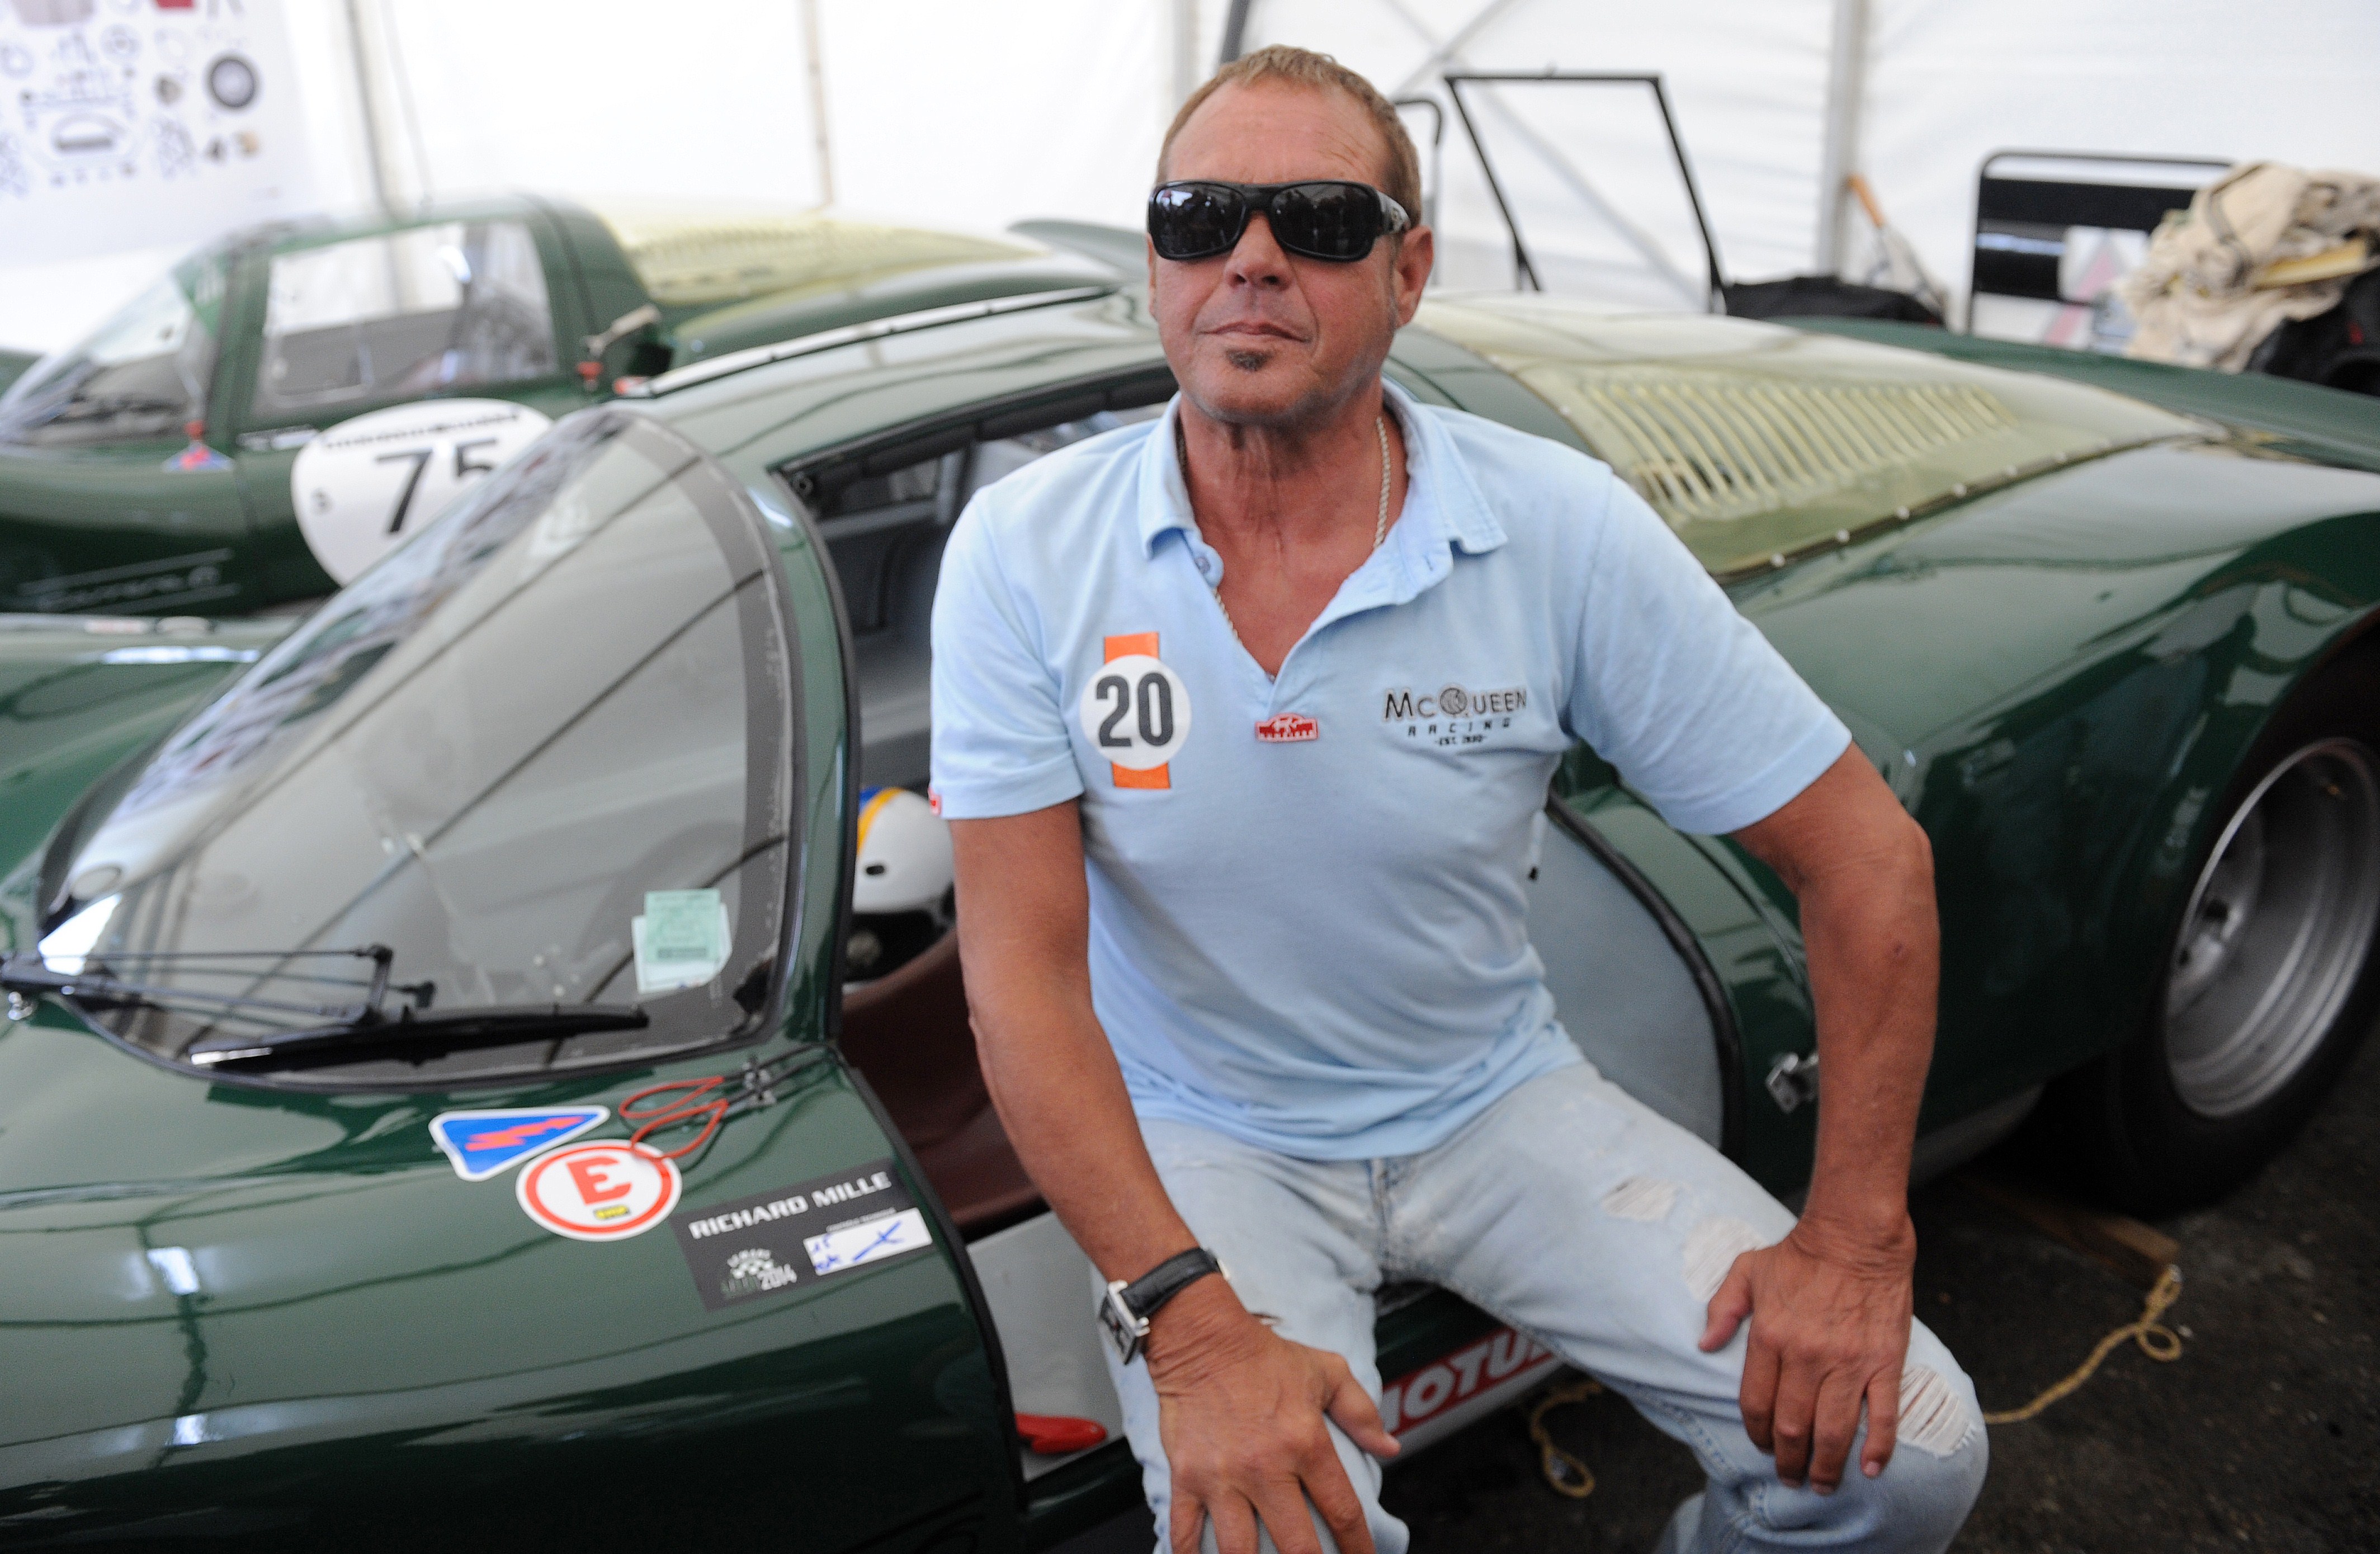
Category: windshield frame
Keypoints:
(737, 521)
(241, 397)
(217, 267)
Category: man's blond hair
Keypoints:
(1400, 179)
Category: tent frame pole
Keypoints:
(1839, 159)
(819, 135)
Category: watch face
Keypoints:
(1119, 1331)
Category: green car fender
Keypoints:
(2060, 689)
(283, 1306)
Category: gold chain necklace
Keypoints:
(1379, 524)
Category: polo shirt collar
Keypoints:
(1444, 508)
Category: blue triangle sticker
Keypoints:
(481, 1143)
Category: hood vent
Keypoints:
(1701, 450)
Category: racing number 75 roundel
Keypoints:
(1135, 711)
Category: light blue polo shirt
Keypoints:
(1307, 913)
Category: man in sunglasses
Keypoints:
(1243, 720)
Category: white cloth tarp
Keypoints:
(2215, 283)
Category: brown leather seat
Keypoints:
(909, 1032)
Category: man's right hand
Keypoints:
(1241, 1412)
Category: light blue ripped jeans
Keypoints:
(1574, 1212)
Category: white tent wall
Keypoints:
(945, 111)
(497, 96)
(967, 116)
(989, 114)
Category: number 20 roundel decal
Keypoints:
(367, 483)
(1136, 712)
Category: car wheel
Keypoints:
(2269, 980)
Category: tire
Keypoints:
(2269, 978)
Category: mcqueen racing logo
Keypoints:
(1453, 716)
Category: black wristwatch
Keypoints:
(1125, 1313)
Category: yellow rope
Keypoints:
(1566, 1474)
(2156, 1341)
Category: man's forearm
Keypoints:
(1023, 907)
(1062, 1098)
(1873, 959)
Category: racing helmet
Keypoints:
(904, 854)
(901, 896)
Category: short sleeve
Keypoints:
(1000, 744)
(1680, 693)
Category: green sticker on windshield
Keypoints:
(681, 942)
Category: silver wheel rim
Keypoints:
(2278, 930)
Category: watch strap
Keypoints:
(1145, 1295)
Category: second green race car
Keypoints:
(283, 406)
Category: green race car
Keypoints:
(557, 1174)
(283, 406)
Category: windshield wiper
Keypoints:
(26, 974)
(413, 1038)
(304, 1035)
(81, 409)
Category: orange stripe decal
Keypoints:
(1143, 643)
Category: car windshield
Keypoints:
(426, 309)
(542, 752)
(143, 374)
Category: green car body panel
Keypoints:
(13, 365)
(2058, 674)
(78, 696)
(121, 524)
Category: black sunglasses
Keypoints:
(1324, 218)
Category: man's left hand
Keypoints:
(1830, 1314)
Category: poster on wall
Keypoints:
(131, 123)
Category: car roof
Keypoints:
(755, 409)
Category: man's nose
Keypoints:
(1258, 260)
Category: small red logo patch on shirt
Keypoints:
(1287, 728)
(934, 800)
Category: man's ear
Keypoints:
(1409, 267)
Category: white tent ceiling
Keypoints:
(949, 112)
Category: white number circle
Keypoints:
(1136, 712)
(367, 483)
(598, 1191)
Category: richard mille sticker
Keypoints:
(775, 1242)
(600, 1192)
(1452, 717)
